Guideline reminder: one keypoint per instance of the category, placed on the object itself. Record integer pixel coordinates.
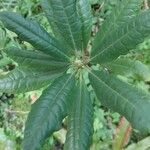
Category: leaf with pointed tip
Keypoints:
(124, 39)
(48, 112)
(129, 67)
(33, 59)
(84, 10)
(122, 13)
(121, 97)
(33, 33)
(63, 18)
(24, 79)
(80, 120)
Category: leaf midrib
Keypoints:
(74, 44)
(114, 23)
(112, 44)
(54, 102)
(127, 101)
(41, 37)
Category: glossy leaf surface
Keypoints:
(129, 67)
(48, 112)
(124, 39)
(121, 14)
(36, 60)
(33, 33)
(64, 20)
(23, 80)
(121, 97)
(80, 120)
(84, 10)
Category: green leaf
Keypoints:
(126, 66)
(33, 59)
(121, 97)
(48, 112)
(3, 39)
(63, 18)
(123, 39)
(33, 33)
(122, 13)
(144, 144)
(24, 79)
(84, 10)
(4, 62)
(80, 120)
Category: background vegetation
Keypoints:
(111, 131)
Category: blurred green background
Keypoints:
(111, 131)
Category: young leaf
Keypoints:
(33, 59)
(123, 39)
(48, 112)
(23, 80)
(63, 18)
(33, 33)
(80, 120)
(126, 66)
(121, 97)
(84, 10)
(122, 13)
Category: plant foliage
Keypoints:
(60, 61)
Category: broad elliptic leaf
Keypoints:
(48, 112)
(33, 33)
(121, 97)
(84, 10)
(63, 18)
(129, 67)
(80, 120)
(121, 14)
(34, 59)
(123, 39)
(22, 80)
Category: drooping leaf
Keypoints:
(64, 20)
(122, 13)
(24, 79)
(121, 97)
(80, 120)
(33, 59)
(33, 33)
(48, 112)
(84, 10)
(126, 66)
(123, 39)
